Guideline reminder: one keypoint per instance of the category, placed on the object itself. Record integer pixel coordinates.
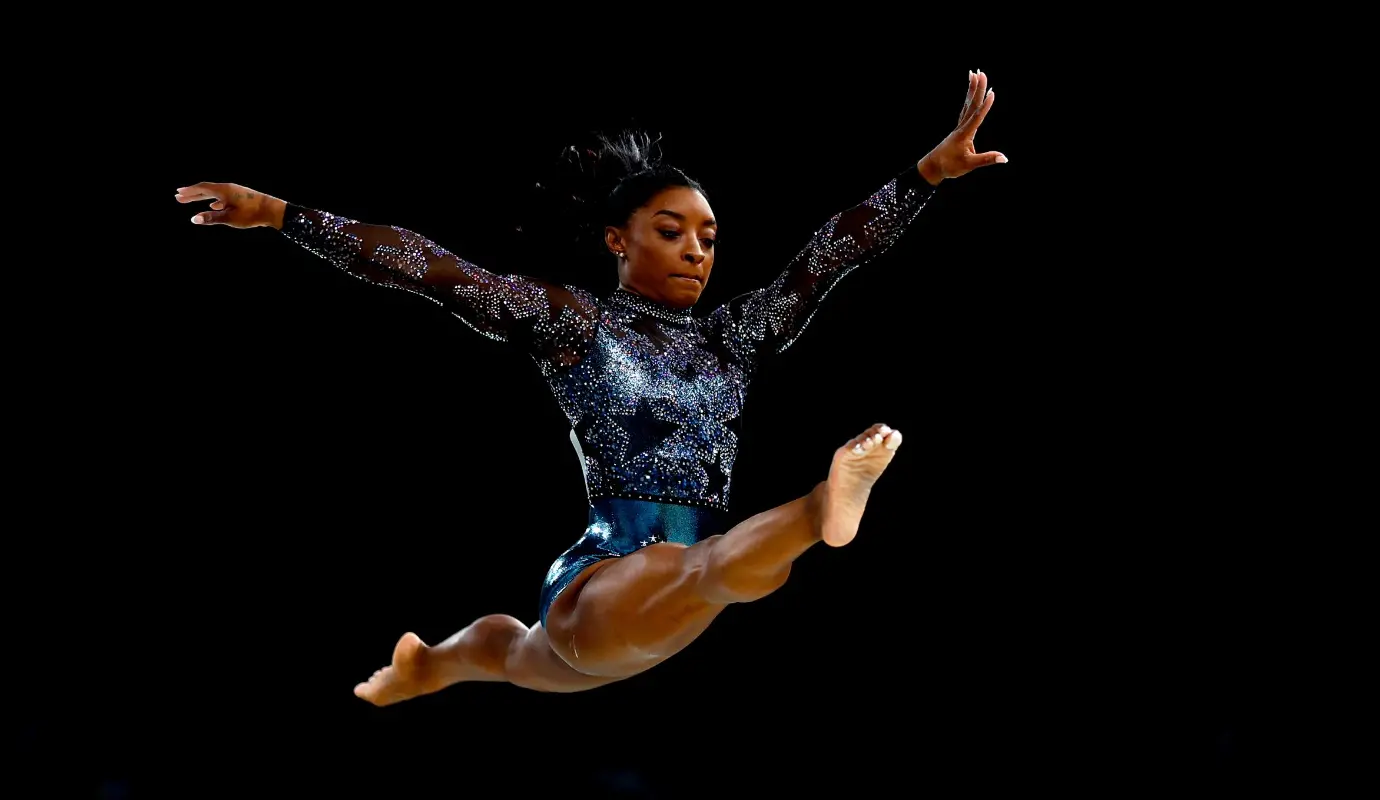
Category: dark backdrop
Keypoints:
(290, 467)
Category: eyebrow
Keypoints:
(668, 212)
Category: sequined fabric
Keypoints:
(654, 394)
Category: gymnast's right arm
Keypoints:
(556, 321)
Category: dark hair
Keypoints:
(600, 184)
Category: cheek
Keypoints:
(667, 255)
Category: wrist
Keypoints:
(275, 210)
(930, 171)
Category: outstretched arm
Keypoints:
(770, 319)
(556, 321)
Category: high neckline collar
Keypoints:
(636, 302)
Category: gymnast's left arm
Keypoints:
(770, 319)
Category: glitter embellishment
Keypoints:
(654, 394)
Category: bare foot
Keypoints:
(404, 680)
(857, 465)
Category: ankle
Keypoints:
(815, 504)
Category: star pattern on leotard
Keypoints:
(645, 429)
(654, 394)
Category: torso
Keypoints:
(655, 406)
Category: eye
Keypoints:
(670, 234)
(708, 242)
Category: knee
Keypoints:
(497, 636)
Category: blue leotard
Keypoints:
(654, 394)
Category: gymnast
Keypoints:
(654, 395)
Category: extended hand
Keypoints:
(955, 155)
(235, 205)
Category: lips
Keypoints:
(694, 278)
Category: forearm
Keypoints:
(385, 254)
(855, 236)
(770, 319)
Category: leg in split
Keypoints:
(493, 648)
(633, 612)
(623, 616)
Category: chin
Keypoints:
(683, 298)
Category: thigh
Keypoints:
(534, 664)
(627, 614)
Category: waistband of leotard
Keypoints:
(610, 507)
(611, 498)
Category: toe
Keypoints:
(893, 440)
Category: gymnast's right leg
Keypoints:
(625, 615)
(492, 648)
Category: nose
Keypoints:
(694, 255)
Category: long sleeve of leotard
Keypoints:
(769, 320)
(556, 322)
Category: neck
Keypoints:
(656, 308)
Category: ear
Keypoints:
(613, 239)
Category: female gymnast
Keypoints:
(654, 397)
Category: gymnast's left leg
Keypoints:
(495, 648)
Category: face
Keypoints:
(669, 247)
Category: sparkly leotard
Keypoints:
(654, 394)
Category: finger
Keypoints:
(195, 196)
(211, 217)
(979, 96)
(968, 98)
(984, 159)
(200, 191)
(980, 113)
(973, 97)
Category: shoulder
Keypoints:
(733, 310)
(567, 298)
(582, 296)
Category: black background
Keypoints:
(1056, 582)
